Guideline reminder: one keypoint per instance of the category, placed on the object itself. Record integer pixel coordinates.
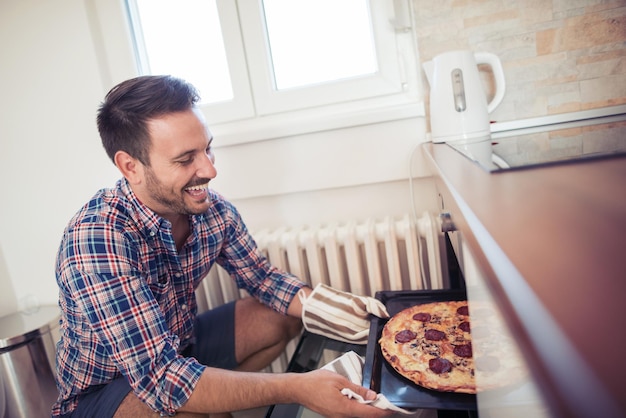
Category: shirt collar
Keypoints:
(144, 215)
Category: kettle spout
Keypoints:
(429, 69)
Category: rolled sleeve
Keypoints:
(167, 394)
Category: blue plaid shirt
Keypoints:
(127, 294)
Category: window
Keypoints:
(309, 45)
(281, 67)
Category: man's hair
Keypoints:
(123, 116)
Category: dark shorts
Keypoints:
(215, 347)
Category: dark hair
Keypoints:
(123, 116)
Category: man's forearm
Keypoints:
(319, 390)
(224, 390)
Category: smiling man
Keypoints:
(132, 343)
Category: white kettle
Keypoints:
(458, 103)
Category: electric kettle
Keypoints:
(458, 104)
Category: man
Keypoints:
(129, 262)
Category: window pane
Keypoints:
(319, 41)
(184, 38)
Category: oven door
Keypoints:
(522, 397)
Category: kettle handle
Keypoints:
(498, 73)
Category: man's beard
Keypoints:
(172, 200)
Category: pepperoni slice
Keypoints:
(464, 350)
(464, 326)
(434, 335)
(463, 310)
(439, 365)
(422, 316)
(405, 336)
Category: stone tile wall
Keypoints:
(558, 55)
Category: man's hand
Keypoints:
(320, 391)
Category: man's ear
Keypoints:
(130, 167)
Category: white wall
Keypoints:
(50, 157)
(54, 73)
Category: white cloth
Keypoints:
(339, 315)
(350, 365)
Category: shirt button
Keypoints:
(152, 233)
(178, 274)
(183, 307)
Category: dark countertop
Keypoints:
(551, 243)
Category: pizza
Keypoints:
(436, 346)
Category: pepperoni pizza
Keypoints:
(431, 345)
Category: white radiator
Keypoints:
(363, 258)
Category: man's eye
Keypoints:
(185, 162)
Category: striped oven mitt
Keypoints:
(339, 315)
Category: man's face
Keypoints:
(181, 165)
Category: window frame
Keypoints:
(240, 121)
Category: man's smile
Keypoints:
(198, 190)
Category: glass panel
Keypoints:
(184, 38)
(319, 41)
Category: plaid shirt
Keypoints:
(127, 295)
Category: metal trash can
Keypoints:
(27, 346)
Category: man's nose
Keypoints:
(207, 167)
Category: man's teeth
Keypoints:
(198, 187)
